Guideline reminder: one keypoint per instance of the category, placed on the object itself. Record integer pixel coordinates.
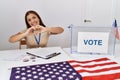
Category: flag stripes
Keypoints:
(98, 69)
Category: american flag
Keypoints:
(116, 32)
(97, 69)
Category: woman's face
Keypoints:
(32, 20)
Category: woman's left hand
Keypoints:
(41, 28)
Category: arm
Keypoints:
(55, 30)
(16, 37)
(52, 30)
(20, 35)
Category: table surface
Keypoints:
(7, 64)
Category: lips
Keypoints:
(34, 23)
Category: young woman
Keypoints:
(36, 34)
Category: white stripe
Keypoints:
(90, 63)
(100, 73)
(97, 67)
(117, 79)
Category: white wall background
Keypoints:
(52, 12)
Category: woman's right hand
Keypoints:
(29, 31)
(32, 30)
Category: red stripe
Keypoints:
(103, 77)
(95, 60)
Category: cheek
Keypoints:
(30, 23)
(37, 20)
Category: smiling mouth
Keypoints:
(35, 23)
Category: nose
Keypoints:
(32, 20)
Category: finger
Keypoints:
(40, 26)
(32, 29)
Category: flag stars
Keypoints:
(28, 71)
(34, 72)
(43, 67)
(40, 73)
(35, 77)
(53, 76)
(63, 75)
(61, 65)
(52, 66)
(56, 64)
(50, 72)
(23, 73)
(64, 68)
(29, 75)
(37, 66)
(46, 65)
(67, 72)
(77, 78)
(58, 67)
(44, 70)
(60, 78)
(70, 69)
(71, 76)
(57, 73)
(33, 68)
(38, 69)
(42, 78)
(61, 71)
(67, 66)
(53, 71)
(18, 68)
(30, 79)
(17, 77)
(17, 71)
(23, 69)
(23, 78)
(46, 75)
(64, 62)
(48, 79)
(48, 68)
(74, 74)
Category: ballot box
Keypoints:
(92, 40)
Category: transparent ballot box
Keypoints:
(92, 40)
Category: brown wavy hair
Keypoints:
(33, 12)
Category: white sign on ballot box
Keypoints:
(93, 42)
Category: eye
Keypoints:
(29, 20)
(34, 17)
